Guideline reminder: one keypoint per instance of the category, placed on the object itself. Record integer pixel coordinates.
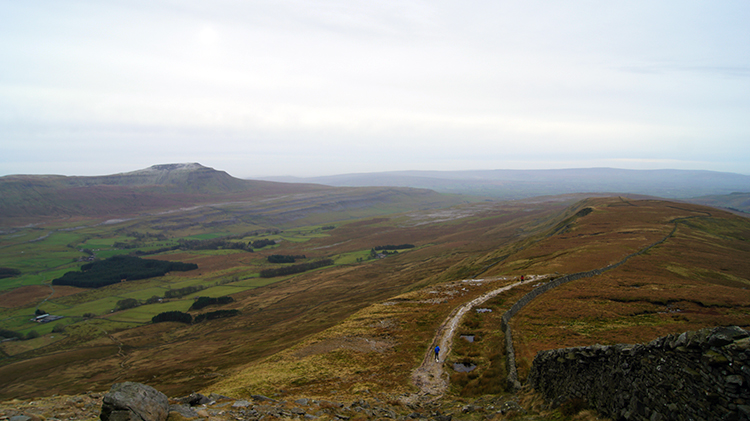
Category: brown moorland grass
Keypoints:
(372, 353)
(32, 294)
(179, 359)
(289, 335)
(697, 278)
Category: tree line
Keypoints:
(9, 272)
(283, 258)
(129, 303)
(202, 302)
(179, 316)
(391, 247)
(118, 268)
(210, 244)
(289, 270)
(259, 244)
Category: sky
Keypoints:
(317, 87)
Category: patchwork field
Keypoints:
(275, 312)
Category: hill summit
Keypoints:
(186, 177)
(156, 187)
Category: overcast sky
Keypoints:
(307, 87)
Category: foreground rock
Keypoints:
(134, 402)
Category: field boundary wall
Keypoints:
(688, 376)
(512, 379)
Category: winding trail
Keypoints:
(430, 377)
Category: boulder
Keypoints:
(181, 412)
(194, 399)
(131, 401)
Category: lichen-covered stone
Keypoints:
(131, 401)
(694, 375)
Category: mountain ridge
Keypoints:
(155, 175)
(519, 184)
(27, 198)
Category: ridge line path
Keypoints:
(429, 377)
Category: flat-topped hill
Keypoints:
(27, 198)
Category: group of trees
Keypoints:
(178, 316)
(224, 243)
(155, 251)
(214, 244)
(202, 302)
(218, 314)
(379, 251)
(118, 268)
(140, 239)
(259, 244)
(127, 303)
(9, 272)
(11, 334)
(289, 270)
(181, 292)
(390, 247)
(283, 258)
(172, 316)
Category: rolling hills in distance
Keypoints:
(355, 329)
(174, 186)
(688, 185)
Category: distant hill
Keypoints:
(519, 184)
(171, 178)
(737, 202)
(25, 198)
(159, 186)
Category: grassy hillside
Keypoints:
(27, 197)
(361, 325)
(167, 188)
(275, 312)
(697, 278)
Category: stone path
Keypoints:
(430, 377)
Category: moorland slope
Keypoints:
(364, 324)
(695, 279)
(361, 325)
(27, 199)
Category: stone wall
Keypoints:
(689, 376)
(510, 354)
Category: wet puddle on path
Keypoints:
(464, 367)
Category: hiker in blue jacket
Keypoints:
(437, 352)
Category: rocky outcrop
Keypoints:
(134, 402)
(693, 375)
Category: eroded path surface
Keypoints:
(430, 377)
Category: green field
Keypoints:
(45, 254)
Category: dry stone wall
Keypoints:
(512, 380)
(703, 375)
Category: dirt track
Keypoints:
(429, 377)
